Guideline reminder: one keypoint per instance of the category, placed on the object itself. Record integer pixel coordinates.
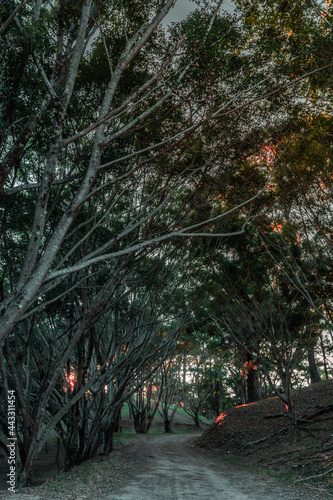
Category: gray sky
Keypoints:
(184, 7)
(181, 11)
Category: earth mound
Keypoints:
(258, 434)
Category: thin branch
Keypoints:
(12, 16)
(27, 187)
(43, 75)
(320, 13)
(276, 91)
(106, 50)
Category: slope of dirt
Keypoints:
(258, 435)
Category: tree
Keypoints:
(69, 166)
(57, 161)
(144, 405)
(172, 390)
(118, 145)
(198, 383)
(76, 387)
(268, 318)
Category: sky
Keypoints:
(181, 10)
(184, 7)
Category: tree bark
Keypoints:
(313, 369)
(252, 392)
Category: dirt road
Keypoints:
(164, 467)
(175, 470)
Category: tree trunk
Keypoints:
(217, 398)
(313, 369)
(290, 402)
(108, 439)
(167, 424)
(196, 419)
(72, 454)
(252, 390)
(140, 419)
(252, 393)
(242, 391)
(324, 356)
(140, 423)
(117, 420)
(292, 413)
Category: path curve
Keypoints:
(175, 470)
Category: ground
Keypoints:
(174, 469)
(98, 476)
(165, 467)
(258, 436)
(217, 465)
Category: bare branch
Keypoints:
(12, 16)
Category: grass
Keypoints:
(129, 436)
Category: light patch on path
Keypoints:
(175, 471)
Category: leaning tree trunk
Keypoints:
(108, 438)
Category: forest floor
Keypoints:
(216, 465)
(257, 436)
(95, 478)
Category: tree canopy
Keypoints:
(160, 188)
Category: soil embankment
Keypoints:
(258, 435)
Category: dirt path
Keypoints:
(164, 467)
(175, 470)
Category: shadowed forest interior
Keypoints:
(166, 230)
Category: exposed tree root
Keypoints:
(280, 432)
(300, 421)
(324, 409)
(313, 477)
